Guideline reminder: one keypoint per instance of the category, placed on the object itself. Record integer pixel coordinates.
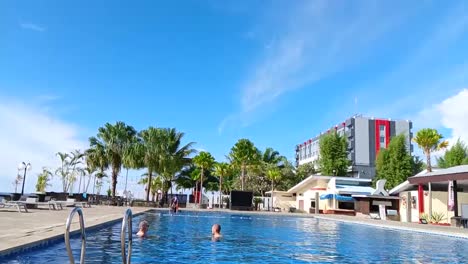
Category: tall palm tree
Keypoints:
(205, 162)
(150, 149)
(63, 170)
(96, 159)
(172, 157)
(274, 174)
(221, 170)
(429, 140)
(243, 154)
(115, 139)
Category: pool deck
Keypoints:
(18, 230)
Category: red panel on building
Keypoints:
(378, 123)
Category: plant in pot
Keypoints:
(42, 182)
(424, 218)
(257, 201)
(437, 218)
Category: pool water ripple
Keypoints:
(185, 238)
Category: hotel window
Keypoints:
(383, 138)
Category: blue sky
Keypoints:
(275, 72)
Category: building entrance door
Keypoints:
(301, 204)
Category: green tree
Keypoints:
(243, 154)
(429, 140)
(173, 156)
(43, 180)
(205, 162)
(221, 170)
(455, 156)
(395, 164)
(333, 157)
(96, 159)
(274, 175)
(114, 139)
(305, 170)
(418, 165)
(150, 151)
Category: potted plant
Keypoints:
(437, 218)
(257, 201)
(424, 219)
(42, 183)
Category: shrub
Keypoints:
(437, 217)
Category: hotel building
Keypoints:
(365, 137)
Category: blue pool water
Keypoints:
(185, 238)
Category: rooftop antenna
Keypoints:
(356, 105)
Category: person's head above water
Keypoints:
(143, 228)
(216, 229)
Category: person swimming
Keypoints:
(143, 228)
(175, 204)
(216, 232)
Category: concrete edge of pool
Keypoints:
(56, 238)
(59, 236)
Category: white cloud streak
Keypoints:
(33, 27)
(313, 41)
(29, 134)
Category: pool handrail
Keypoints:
(126, 223)
(83, 235)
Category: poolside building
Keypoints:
(444, 191)
(332, 195)
(365, 137)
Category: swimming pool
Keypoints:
(185, 238)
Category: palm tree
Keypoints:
(274, 174)
(43, 180)
(63, 170)
(115, 139)
(429, 140)
(205, 162)
(150, 150)
(222, 170)
(76, 159)
(242, 155)
(156, 184)
(172, 157)
(96, 159)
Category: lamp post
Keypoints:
(25, 167)
(334, 172)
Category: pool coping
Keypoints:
(53, 239)
(399, 228)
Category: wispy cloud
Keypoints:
(314, 40)
(31, 26)
(29, 134)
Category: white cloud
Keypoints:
(454, 115)
(450, 115)
(31, 26)
(312, 41)
(32, 135)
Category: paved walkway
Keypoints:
(18, 229)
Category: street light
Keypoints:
(25, 167)
(334, 172)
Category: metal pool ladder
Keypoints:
(126, 224)
(83, 235)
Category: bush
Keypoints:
(437, 217)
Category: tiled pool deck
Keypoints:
(31, 229)
(18, 230)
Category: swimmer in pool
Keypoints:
(216, 232)
(143, 229)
